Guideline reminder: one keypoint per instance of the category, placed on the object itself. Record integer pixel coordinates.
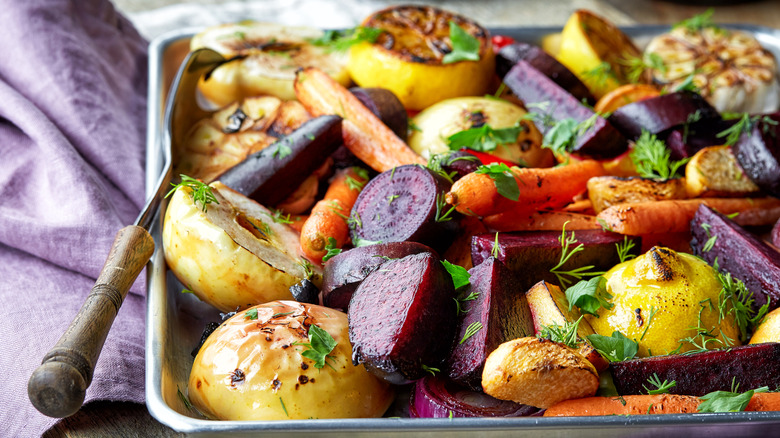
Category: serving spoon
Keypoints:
(58, 386)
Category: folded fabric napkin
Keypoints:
(72, 132)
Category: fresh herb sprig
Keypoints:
(728, 401)
(660, 387)
(341, 40)
(484, 138)
(503, 178)
(566, 253)
(471, 330)
(201, 192)
(637, 65)
(697, 22)
(566, 335)
(331, 249)
(590, 295)
(614, 348)
(745, 126)
(464, 46)
(320, 345)
(653, 159)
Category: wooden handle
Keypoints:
(58, 386)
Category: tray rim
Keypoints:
(157, 302)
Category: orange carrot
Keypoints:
(672, 216)
(364, 134)
(297, 221)
(649, 404)
(583, 206)
(329, 216)
(522, 219)
(553, 187)
(625, 405)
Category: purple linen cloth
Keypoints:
(72, 129)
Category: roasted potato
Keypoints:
(606, 191)
(714, 172)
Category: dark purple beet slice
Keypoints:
(386, 106)
(541, 95)
(344, 272)
(661, 113)
(501, 308)
(457, 164)
(435, 397)
(270, 175)
(740, 253)
(401, 204)
(758, 152)
(508, 56)
(750, 366)
(775, 236)
(684, 143)
(531, 254)
(401, 317)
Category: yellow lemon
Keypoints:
(664, 300)
(596, 51)
(769, 330)
(408, 58)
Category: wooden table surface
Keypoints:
(121, 419)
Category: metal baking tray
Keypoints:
(175, 320)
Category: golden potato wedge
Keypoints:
(606, 191)
(538, 372)
(715, 172)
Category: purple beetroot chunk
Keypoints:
(404, 203)
(344, 272)
(541, 95)
(531, 254)
(750, 366)
(740, 253)
(502, 310)
(685, 141)
(401, 318)
(758, 152)
(661, 113)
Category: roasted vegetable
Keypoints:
(538, 372)
(758, 152)
(657, 114)
(281, 361)
(401, 318)
(714, 171)
(233, 255)
(606, 191)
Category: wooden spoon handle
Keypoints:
(58, 386)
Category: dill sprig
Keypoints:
(653, 159)
(201, 192)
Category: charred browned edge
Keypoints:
(432, 27)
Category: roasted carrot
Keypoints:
(649, 404)
(582, 206)
(553, 187)
(297, 221)
(625, 405)
(329, 216)
(672, 216)
(364, 134)
(522, 219)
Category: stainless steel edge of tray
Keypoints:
(175, 322)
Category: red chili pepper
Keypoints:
(500, 41)
(487, 158)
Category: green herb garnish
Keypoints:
(279, 218)
(503, 178)
(200, 191)
(460, 276)
(320, 344)
(282, 150)
(660, 387)
(332, 249)
(653, 159)
(728, 401)
(442, 213)
(464, 46)
(251, 314)
(431, 370)
(566, 254)
(484, 138)
(637, 65)
(471, 330)
(697, 22)
(341, 40)
(624, 248)
(614, 348)
(566, 335)
(589, 295)
(745, 126)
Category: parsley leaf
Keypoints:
(251, 314)
(460, 276)
(200, 191)
(282, 150)
(614, 348)
(320, 344)
(464, 46)
(332, 249)
(503, 178)
(484, 138)
(728, 401)
(653, 159)
(341, 40)
(590, 295)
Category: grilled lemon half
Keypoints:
(408, 58)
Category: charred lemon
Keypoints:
(597, 52)
(424, 55)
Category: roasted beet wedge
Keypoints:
(508, 56)
(686, 140)
(750, 366)
(738, 252)
(541, 95)
(658, 114)
(401, 317)
(758, 152)
(343, 273)
(531, 254)
(271, 174)
(386, 106)
(405, 203)
(502, 312)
